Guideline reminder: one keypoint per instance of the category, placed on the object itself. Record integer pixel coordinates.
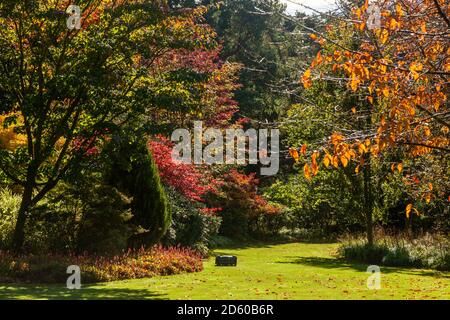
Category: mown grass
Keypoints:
(279, 271)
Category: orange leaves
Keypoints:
(354, 83)
(307, 171)
(344, 161)
(306, 79)
(294, 154)
(398, 167)
(313, 169)
(327, 160)
(314, 165)
(303, 149)
(398, 72)
(335, 162)
(394, 24)
(410, 208)
(336, 138)
(415, 68)
(362, 149)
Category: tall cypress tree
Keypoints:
(134, 172)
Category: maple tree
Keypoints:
(64, 89)
(188, 179)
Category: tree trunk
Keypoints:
(25, 205)
(368, 200)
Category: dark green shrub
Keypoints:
(134, 172)
(83, 216)
(190, 226)
(364, 253)
(103, 227)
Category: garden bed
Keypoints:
(129, 265)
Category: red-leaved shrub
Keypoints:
(129, 265)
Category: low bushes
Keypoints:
(9, 206)
(191, 226)
(129, 265)
(398, 251)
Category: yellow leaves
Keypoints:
(362, 148)
(306, 79)
(409, 209)
(307, 172)
(384, 36)
(399, 10)
(357, 169)
(370, 99)
(337, 55)
(294, 154)
(327, 160)
(344, 160)
(335, 162)
(354, 83)
(394, 24)
(385, 92)
(354, 110)
(9, 139)
(415, 68)
(313, 36)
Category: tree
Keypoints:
(134, 171)
(60, 86)
(399, 70)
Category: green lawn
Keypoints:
(285, 271)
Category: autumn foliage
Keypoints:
(401, 70)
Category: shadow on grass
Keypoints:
(336, 263)
(257, 244)
(53, 292)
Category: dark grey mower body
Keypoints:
(224, 261)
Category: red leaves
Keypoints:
(187, 179)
